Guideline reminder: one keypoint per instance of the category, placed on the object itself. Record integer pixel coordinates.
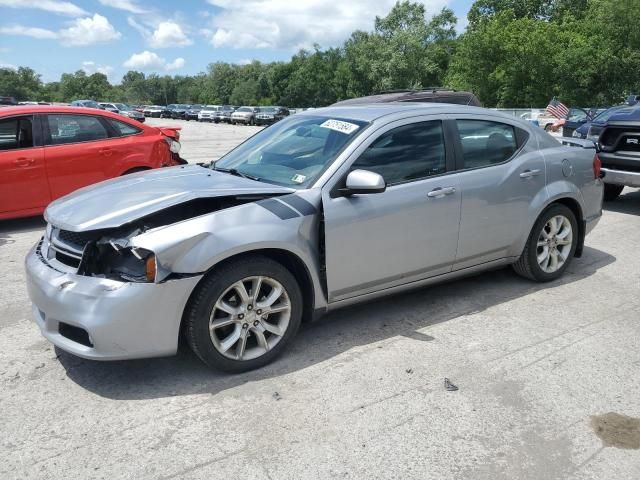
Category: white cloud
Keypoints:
(89, 31)
(10, 66)
(168, 34)
(151, 61)
(53, 6)
(90, 67)
(82, 32)
(33, 32)
(177, 64)
(294, 25)
(127, 5)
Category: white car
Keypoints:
(208, 113)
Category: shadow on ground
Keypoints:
(628, 202)
(332, 335)
(19, 225)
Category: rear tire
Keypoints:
(612, 191)
(214, 320)
(551, 245)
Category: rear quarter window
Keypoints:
(124, 129)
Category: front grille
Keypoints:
(76, 239)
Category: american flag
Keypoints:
(557, 108)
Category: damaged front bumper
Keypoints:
(103, 319)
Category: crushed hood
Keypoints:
(116, 202)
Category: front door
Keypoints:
(407, 233)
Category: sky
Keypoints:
(178, 37)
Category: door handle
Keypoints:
(530, 173)
(441, 192)
(24, 162)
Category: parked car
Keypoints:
(179, 110)
(49, 151)
(7, 101)
(140, 108)
(207, 113)
(86, 104)
(153, 111)
(192, 112)
(270, 115)
(578, 117)
(325, 209)
(245, 115)
(618, 136)
(428, 95)
(583, 130)
(223, 115)
(540, 119)
(122, 109)
(109, 107)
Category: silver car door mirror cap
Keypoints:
(364, 181)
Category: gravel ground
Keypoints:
(547, 379)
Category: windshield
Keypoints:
(268, 110)
(293, 152)
(243, 109)
(122, 106)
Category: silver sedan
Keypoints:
(324, 209)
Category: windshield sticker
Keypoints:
(297, 178)
(340, 126)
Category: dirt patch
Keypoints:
(617, 430)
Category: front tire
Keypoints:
(243, 314)
(612, 191)
(551, 245)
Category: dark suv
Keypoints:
(619, 140)
(434, 95)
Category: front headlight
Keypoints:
(129, 264)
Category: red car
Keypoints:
(49, 151)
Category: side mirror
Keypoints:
(363, 182)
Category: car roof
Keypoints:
(374, 111)
(31, 109)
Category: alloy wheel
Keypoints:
(554, 243)
(250, 318)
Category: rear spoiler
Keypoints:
(578, 142)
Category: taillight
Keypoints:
(597, 166)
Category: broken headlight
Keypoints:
(129, 264)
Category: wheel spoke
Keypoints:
(273, 296)
(281, 307)
(225, 307)
(554, 261)
(564, 242)
(231, 340)
(255, 289)
(242, 292)
(544, 255)
(262, 340)
(242, 343)
(269, 327)
(542, 243)
(221, 322)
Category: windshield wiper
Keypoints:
(234, 171)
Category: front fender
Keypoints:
(196, 245)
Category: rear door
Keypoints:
(500, 173)
(23, 178)
(77, 151)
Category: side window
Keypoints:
(15, 133)
(410, 152)
(124, 129)
(486, 143)
(74, 129)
